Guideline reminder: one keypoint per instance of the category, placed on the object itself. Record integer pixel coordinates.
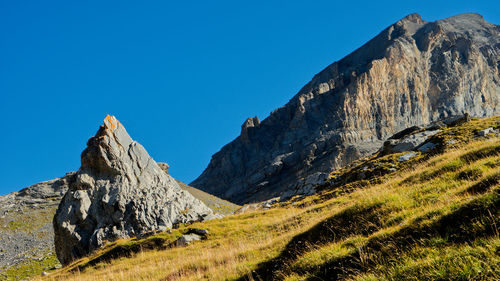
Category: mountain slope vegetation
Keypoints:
(434, 217)
(27, 228)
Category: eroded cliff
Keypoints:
(413, 73)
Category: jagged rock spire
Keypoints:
(118, 192)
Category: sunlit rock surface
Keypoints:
(413, 73)
(119, 191)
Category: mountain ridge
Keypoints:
(412, 73)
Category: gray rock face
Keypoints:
(413, 73)
(408, 143)
(47, 189)
(119, 191)
(306, 186)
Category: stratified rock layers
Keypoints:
(412, 73)
(119, 191)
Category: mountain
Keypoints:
(412, 73)
(432, 216)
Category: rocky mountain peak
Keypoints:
(413, 73)
(119, 191)
(415, 18)
(406, 26)
(111, 122)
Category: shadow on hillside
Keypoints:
(484, 184)
(125, 250)
(476, 219)
(352, 221)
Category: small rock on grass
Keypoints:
(186, 239)
(485, 132)
(198, 231)
(407, 156)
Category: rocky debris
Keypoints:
(21, 244)
(486, 132)
(118, 192)
(186, 239)
(26, 222)
(407, 156)
(412, 74)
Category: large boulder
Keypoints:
(118, 192)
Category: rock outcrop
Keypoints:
(118, 192)
(26, 228)
(413, 73)
(408, 143)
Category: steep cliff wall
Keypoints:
(412, 73)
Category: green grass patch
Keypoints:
(30, 268)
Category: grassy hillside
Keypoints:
(220, 206)
(435, 218)
(30, 228)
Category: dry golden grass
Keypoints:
(383, 231)
(235, 244)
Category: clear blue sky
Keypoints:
(182, 78)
